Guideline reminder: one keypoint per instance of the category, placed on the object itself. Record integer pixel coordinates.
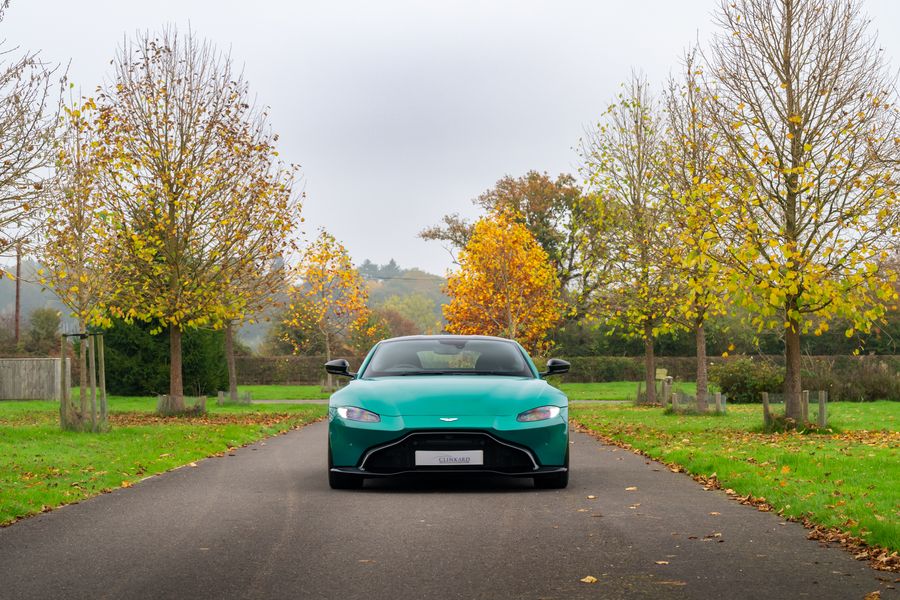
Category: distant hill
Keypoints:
(386, 281)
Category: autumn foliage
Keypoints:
(329, 303)
(505, 285)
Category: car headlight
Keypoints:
(541, 413)
(352, 413)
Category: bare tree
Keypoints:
(809, 194)
(28, 110)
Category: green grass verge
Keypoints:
(43, 467)
(614, 390)
(849, 480)
(284, 392)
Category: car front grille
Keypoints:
(400, 455)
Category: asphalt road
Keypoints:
(264, 524)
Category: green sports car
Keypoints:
(448, 403)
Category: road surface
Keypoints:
(264, 524)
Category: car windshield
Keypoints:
(450, 356)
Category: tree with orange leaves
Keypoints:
(505, 285)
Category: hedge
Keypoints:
(870, 377)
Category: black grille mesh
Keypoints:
(401, 456)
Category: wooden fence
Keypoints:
(31, 378)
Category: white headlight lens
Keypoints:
(352, 413)
(541, 413)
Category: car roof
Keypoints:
(449, 336)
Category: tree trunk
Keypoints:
(649, 364)
(82, 374)
(702, 387)
(101, 374)
(92, 378)
(18, 309)
(176, 385)
(793, 385)
(329, 379)
(229, 359)
(63, 400)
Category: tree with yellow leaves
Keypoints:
(197, 201)
(688, 164)
(622, 164)
(505, 285)
(74, 265)
(329, 302)
(806, 201)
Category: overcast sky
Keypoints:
(400, 112)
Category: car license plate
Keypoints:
(431, 458)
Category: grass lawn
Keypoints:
(614, 390)
(849, 479)
(42, 467)
(283, 392)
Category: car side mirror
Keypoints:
(556, 366)
(339, 366)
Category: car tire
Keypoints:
(342, 481)
(554, 481)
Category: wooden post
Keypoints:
(719, 402)
(62, 382)
(92, 379)
(220, 399)
(805, 406)
(104, 409)
(823, 419)
(767, 415)
(637, 399)
(675, 401)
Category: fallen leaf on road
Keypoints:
(582, 510)
(631, 488)
(592, 497)
(366, 561)
(715, 514)
(672, 582)
(126, 484)
(873, 595)
(192, 465)
(588, 579)
(662, 562)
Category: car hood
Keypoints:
(448, 395)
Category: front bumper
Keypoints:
(546, 442)
(419, 470)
